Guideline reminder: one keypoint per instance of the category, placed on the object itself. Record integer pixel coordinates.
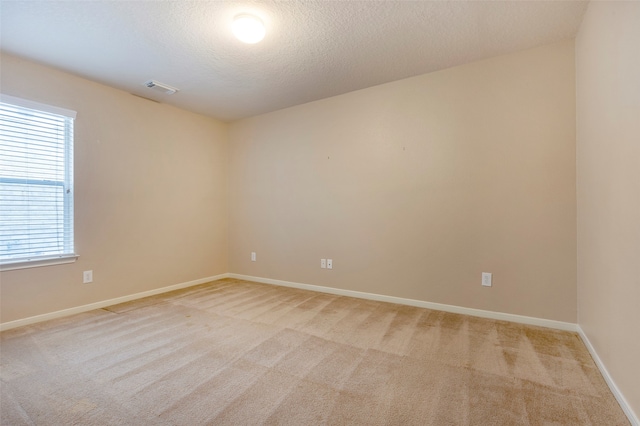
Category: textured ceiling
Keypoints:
(313, 49)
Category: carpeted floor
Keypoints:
(240, 353)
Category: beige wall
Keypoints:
(150, 201)
(608, 182)
(415, 187)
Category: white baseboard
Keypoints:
(607, 377)
(559, 325)
(104, 303)
(567, 326)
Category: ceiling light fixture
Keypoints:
(248, 28)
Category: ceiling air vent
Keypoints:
(161, 87)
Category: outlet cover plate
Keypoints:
(487, 279)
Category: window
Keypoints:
(36, 184)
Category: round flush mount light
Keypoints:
(248, 28)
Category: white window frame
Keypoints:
(68, 255)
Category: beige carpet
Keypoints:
(240, 353)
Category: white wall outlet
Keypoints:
(323, 263)
(329, 264)
(87, 277)
(486, 279)
(253, 256)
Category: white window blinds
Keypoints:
(36, 181)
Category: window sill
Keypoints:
(36, 263)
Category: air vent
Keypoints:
(161, 87)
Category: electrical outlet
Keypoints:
(329, 264)
(253, 256)
(87, 277)
(323, 263)
(486, 279)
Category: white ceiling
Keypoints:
(313, 49)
